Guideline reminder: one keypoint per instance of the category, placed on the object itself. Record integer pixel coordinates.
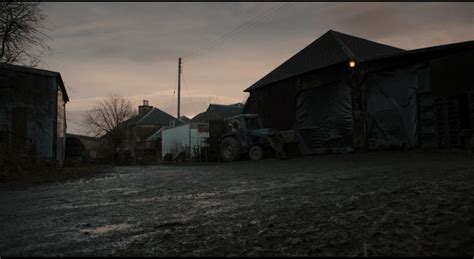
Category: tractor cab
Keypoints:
(243, 122)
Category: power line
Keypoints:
(219, 41)
(239, 29)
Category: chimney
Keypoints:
(144, 109)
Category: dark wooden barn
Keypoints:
(343, 93)
(32, 113)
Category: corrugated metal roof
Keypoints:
(433, 50)
(329, 49)
(40, 72)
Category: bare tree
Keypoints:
(106, 120)
(21, 32)
(108, 114)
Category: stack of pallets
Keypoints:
(427, 127)
(448, 122)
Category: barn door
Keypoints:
(324, 119)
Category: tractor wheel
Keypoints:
(256, 153)
(230, 149)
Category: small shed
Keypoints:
(32, 113)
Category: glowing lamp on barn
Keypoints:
(352, 63)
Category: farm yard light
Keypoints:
(352, 63)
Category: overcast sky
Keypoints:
(133, 48)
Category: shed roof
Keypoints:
(331, 48)
(41, 72)
(218, 111)
(430, 51)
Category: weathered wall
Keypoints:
(36, 95)
(392, 112)
(324, 118)
(275, 104)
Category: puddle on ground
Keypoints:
(105, 229)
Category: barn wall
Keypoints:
(42, 118)
(316, 104)
(426, 111)
(452, 97)
(392, 111)
(324, 119)
(444, 101)
(420, 100)
(35, 95)
(275, 104)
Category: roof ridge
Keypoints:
(146, 115)
(157, 109)
(330, 48)
(341, 44)
(364, 39)
(28, 69)
(166, 113)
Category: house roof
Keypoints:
(329, 49)
(40, 72)
(184, 119)
(218, 111)
(154, 117)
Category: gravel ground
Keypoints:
(373, 204)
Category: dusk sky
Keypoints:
(133, 48)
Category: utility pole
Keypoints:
(179, 87)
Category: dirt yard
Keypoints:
(373, 204)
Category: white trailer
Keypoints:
(188, 139)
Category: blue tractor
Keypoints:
(245, 135)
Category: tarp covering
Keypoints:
(392, 108)
(324, 119)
